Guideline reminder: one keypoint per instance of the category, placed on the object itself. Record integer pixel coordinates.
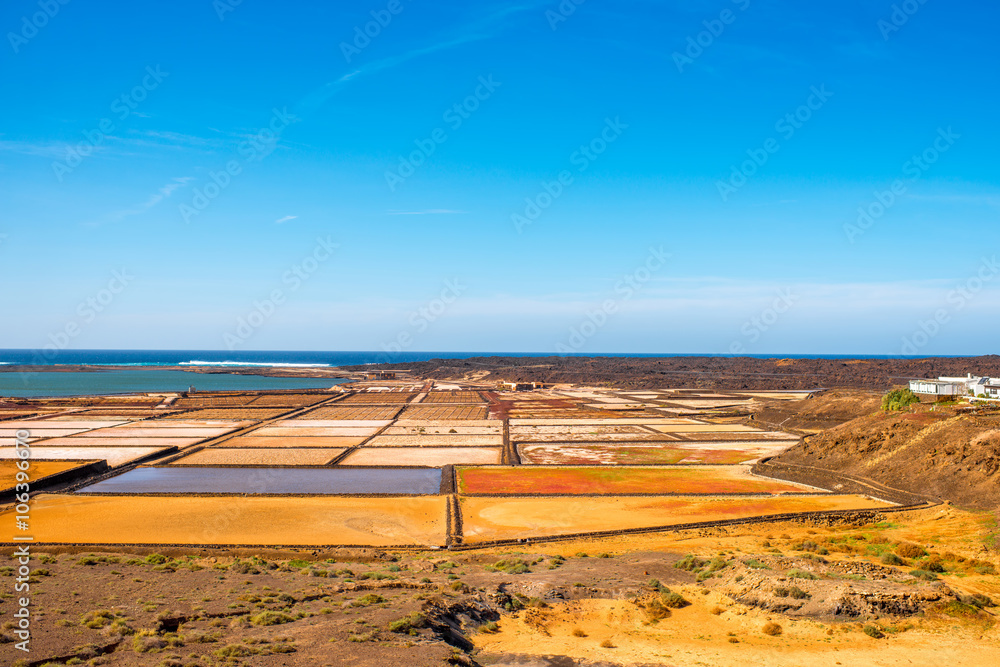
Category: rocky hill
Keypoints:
(949, 452)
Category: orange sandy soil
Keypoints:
(250, 441)
(37, 470)
(258, 456)
(696, 636)
(575, 480)
(266, 521)
(422, 456)
(485, 519)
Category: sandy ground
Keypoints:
(487, 519)
(249, 441)
(436, 441)
(422, 456)
(260, 457)
(696, 636)
(37, 470)
(115, 456)
(236, 520)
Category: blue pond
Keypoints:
(411, 481)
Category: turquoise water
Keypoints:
(31, 384)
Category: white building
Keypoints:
(951, 387)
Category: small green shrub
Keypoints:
(898, 399)
(800, 574)
(908, 550)
(409, 624)
(368, 600)
(271, 618)
(892, 559)
(873, 631)
(771, 629)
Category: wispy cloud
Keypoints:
(162, 193)
(285, 219)
(471, 32)
(53, 150)
(429, 211)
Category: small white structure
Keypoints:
(937, 388)
(952, 387)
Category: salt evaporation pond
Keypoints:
(415, 481)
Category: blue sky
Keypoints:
(319, 131)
